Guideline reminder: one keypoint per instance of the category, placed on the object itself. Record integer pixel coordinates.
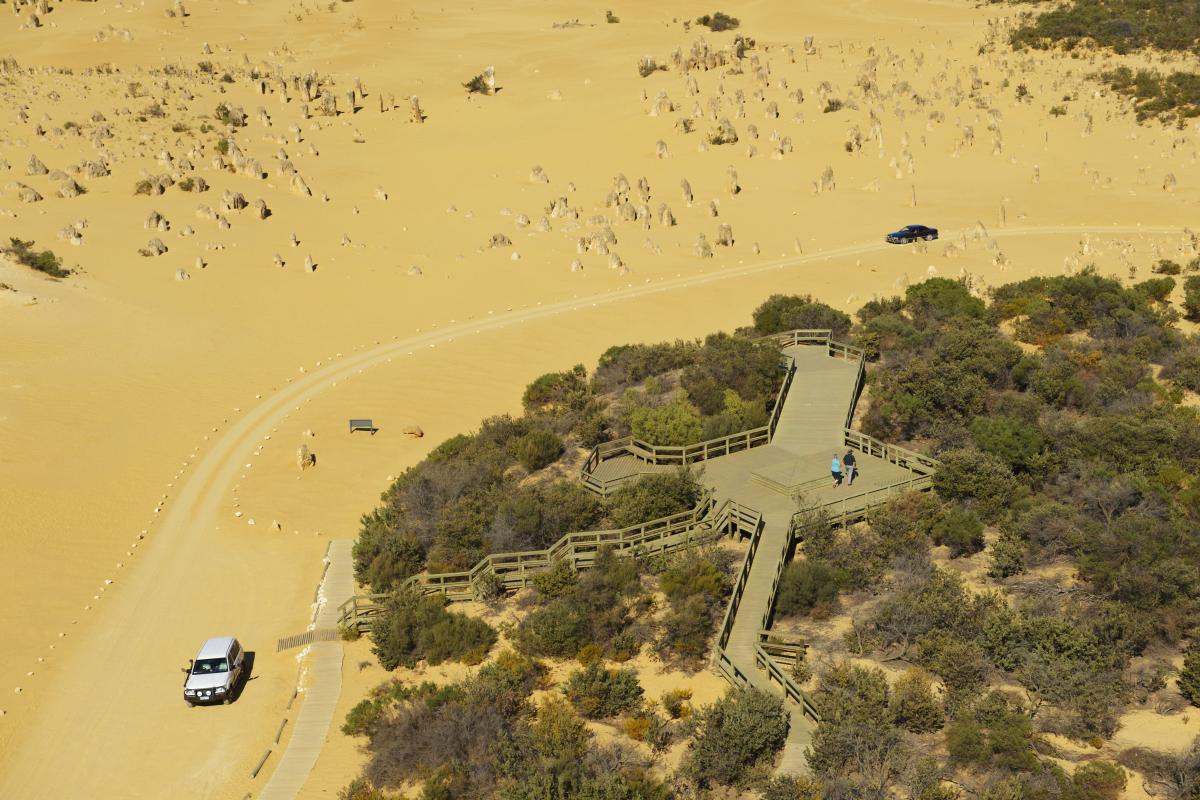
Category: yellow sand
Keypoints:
(131, 402)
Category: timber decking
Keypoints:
(319, 698)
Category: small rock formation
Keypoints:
(1168, 183)
(305, 458)
(660, 149)
(260, 209)
(154, 247)
(182, 275)
(724, 133)
(300, 187)
(70, 188)
(27, 194)
(414, 270)
(499, 240)
(732, 181)
(725, 236)
(702, 248)
(309, 264)
(414, 110)
(35, 166)
(538, 175)
(576, 265)
(686, 188)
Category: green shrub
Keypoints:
(781, 312)
(1189, 677)
(1013, 440)
(675, 703)
(558, 734)
(1058, 111)
(1183, 368)
(413, 627)
(913, 704)
(966, 743)
(537, 449)
(1191, 297)
(979, 479)
(806, 585)
(793, 787)
(558, 630)
(960, 530)
(735, 734)
(1099, 780)
(718, 21)
(939, 299)
(600, 693)
(1156, 289)
(556, 390)
(1165, 266)
(1007, 557)
(677, 423)
(653, 496)
(611, 18)
(476, 85)
(43, 261)
(361, 789)
(222, 146)
(361, 718)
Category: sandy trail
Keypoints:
(180, 594)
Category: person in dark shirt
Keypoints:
(849, 467)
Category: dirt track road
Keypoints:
(113, 723)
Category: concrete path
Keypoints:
(323, 676)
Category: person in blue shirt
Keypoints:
(836, 468)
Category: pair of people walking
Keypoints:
(846, 469)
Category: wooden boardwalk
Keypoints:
(810, 431)
(323, 680)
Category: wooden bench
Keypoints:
(363, 425)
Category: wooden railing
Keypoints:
(900, 456)
(700, 524)
(684, 455)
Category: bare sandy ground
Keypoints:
(133, 404)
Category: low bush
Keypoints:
(718, 21)
(675, 703)
(1191, 297)
(913, 704)
(41, 260)
(600, 693)
(653, 496)
(780, 313)
(960, 530)
(734, 735)
(675, 424)
(1189, 677)
(476, 85)
(805, 586)
(537, 449)
(413, 627)
(1164, 266)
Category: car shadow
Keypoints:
(247, 676)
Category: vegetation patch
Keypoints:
(41, 260)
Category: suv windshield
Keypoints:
(208, 666)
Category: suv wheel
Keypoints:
(929, 237)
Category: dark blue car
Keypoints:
(910, 233)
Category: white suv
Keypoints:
(214, 673)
